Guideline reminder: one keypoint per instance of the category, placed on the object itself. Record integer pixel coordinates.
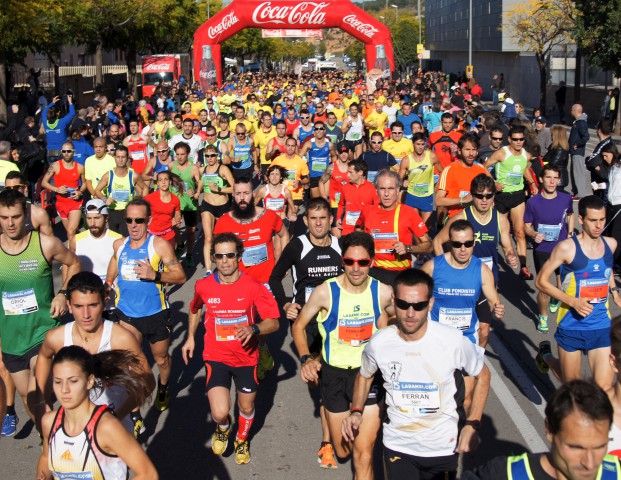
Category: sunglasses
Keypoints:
(137, 221)
(211, 155)
(15, 187)
(110, 150)
(67, 151)
(467, 244)
(417, 306)
(482, 196)
(240, 134)
(521, 139)
(319, 128)
(163, 151)
(220, 256)
(496, 138)
(397, 133)
(376, 143)
(363, 262)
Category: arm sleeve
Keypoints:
(472, 357)
(528, 213)
(392, 161)
(197, 302)
(285, 262)
(418, 225)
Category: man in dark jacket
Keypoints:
(599, 182)
(578, 138)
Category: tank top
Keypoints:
(113, 396)
(355, 131)
(217, 145)
(243, 152)
(304, 134)
(160, 167)
(275, 203)
(139, 154)
(486, 238)
(586, 278)
(80, 456)
(337, 180)
(291, 126)
(349, 323)
(27, 292)
(614, 440)
(212, 177)
(95, 253)
(420, 176)
(456, 292)
(187, 202)
(318, 158)
(136, 298)
(510, 172)
(68, 177)
(121, 189)
(28, 218)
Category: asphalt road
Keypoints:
(286, 434)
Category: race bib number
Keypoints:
(291, 174)
(226, 327)
(597, 289)
(351, 218)
(384, 242)
(513, 179)
(255, 255)
(423, 398)
(371, 176)
(307, 293)
(210, 178)
(489, 261)
(421, 188)
(551, 232)
(355, 331)
(354, 136)
(19, 303)
(138, 155)
(127, 271)
(319, 165)
(276, 204)
(73, 475)
(120, 195)
(458, 318)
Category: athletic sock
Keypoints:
(245, 422)
(223, 426)
(10, 410)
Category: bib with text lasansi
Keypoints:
(226, 327)
(355, 331)
(128, 271)
(384, 242)
(255, 255)
(458, 318)
(597, 289)
(351, 218)
(417, 396)
(19, 303)
(551, 232)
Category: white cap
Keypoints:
(96, 206)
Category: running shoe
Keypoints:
(542, 324)
(9, 425)
(553, 306)
(139, 427)
(325, 456)
(220, 439)
(266, 362)
(242, 452)
(544, 349)
(162, 398)
(525, 273)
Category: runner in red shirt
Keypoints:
(138, 146)
(291, 121)
(233, 303)
(165, 208)
(354, 197)
(444, 142)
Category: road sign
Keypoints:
(419, 48)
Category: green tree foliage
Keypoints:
(598, 32)
(356, 52)
(405, 39)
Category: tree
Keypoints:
(598, 32)
(355, 52)
(322, 48)
(539, 25)
(404, 41)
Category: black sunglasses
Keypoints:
(211, 155)
(467, 244)
(521, 139)
(363, 262)
(482, 196)
(496, 138)
(220, 256)
(319, 128)
(67, 151)
(417, 306)
(137, 221)
(15, 187)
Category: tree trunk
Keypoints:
(99, 64)
(543, 80)
(577, 75)
(131, 69)
(3, 92)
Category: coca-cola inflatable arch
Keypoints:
(242, 14)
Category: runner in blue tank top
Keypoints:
(320, 153)
(586, 262)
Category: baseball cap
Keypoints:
(540, 119)
(97, 206)
(342, 147)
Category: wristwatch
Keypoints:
(408, 249)
(476, 424)
(305, 358)
(614, 289)
(64, 292)
(255, 329)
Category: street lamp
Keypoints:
(397, 11)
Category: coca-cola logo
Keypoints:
(366, 29)
(159, 67)
(305, 13)
(209, 74)
(226, 22)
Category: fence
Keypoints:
(21, 76)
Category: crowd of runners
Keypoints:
(383, 205)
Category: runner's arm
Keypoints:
(489, 290)
(351, 423)
(103, 183)
(318, 300)
(175, 273)
(283, 233)
(194, 316)
(479, 399)
(43, 471)
(283, 265)
(443, 235)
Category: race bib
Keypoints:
(597, 289)
(464, 193)
(384, 242)
(337, 197)
(255, 255)
(417, 397)
(351, 218)
(319, 165)
(354, 136)
(226, 327)
(489, 261)
(307, 293)
(127, 271)
(276, 204)
(513, 179)
(458, 318)
(421, 188)
(120, 195)
(19, 303)
(291, 174)
(551, 232)
(371, 176)
(73, 475)
(355, 331)
(138, 155)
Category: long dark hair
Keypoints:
(611, 148)
(114, 367)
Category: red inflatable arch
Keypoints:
(242, 14)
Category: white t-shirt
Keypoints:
(614, 440)
(391, 112)
(420, 383)
(195, 143)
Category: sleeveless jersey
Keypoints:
(318, 158)
(337, 180)
(456, 292)
(121, 189)
(137, 298)
(420, 176)
(510, 172)
(486, 238)
(275, 203)
(355, 131)
(291, 126)
(304, 134)
(217, 145)
(27, 293)
(518, 468)
(80, 456)
(243, 152)
(160, 167)
(67, 177)
(139, 154)
(614, 440)
(212, 177)
(586, 278)
(187, 202)
(113, 396)
(95, 253)
(349, 323)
